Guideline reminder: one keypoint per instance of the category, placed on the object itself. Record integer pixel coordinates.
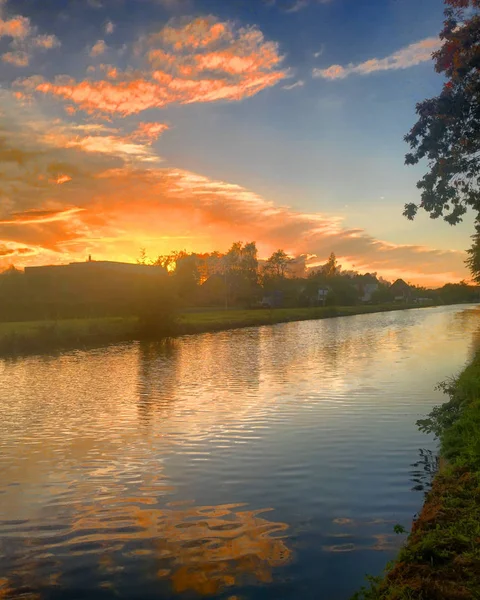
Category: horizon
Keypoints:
(191, 123)
(261, 262)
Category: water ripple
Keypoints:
(145, 470)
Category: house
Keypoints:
(423, 301)
(366, 285)
(367, 291)
(401, 291)
(322, 294)
(213, 290)
(91, 268)
(92, 283)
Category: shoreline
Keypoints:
(38, 337)
(440, 559)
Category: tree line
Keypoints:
(189, 280)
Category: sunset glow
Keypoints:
(169, 125)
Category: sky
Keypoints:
(191, 124)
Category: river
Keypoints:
(259, 463)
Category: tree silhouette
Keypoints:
(447, 132)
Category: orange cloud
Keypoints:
(24, 40)
(412, 55)
(18, 58)
(149, 132)
(46, 41)
(98, 48)
(63, 179)
(200, 61)
(34, 217)
(199, 33)
(120, 200)
(18, 27)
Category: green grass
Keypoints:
(228, 319)
(441, 559)
(45, 336)
(80, 326)
(39, 336)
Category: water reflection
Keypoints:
(201, 549)
(102, 453)
(424, 469)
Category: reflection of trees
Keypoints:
(465, 322)
(196, 549)
(424, 469)
(183, 379)
(157, 376)
(331, 347)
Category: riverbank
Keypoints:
(441, 558)
(33, 337)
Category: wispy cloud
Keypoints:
(292, 86)
(98, 48)
(297, 6)
(410, 56)
(112, 200)
(201, 60)
(293, 6)
(148, 132)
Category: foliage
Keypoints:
(447, 132)
(277, 265)
(233, 279)
(240, 266)
(157, 312)
(473, 259)
(399, 529)
(331, 267)
(382, 294)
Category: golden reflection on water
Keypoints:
(200, 549)
(95, 446)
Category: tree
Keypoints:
(447, 132)
(331, 267)
(143, 258)
(240, 269)
(473, 260)
(278, 264)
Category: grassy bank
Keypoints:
(441, 558)
(44, 336)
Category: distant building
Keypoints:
(322, 294)
(423, 301)
(366, 285)
(92, 267)
(92, 283)
(367, 291)
(214, 290)
(401, 291)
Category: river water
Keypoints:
(262, 463)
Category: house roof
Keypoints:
(400, 286)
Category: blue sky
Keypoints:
(318, 139)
